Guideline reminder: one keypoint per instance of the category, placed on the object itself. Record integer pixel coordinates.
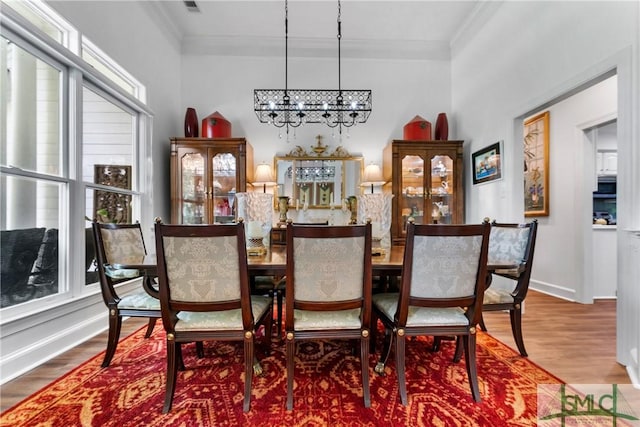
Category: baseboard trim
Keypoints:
(39, 352)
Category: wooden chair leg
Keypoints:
(459, 346)
(437, 340)
(199, 349)
(373, 329)
(248, 371)
(290, 348)
(115, 324)
(470, 359)
(179, 357)
(150, 326)
(516, 328)
(482, 325)
(173, 350)
(386, 351)
(280, 300)
(402, 382)
(268, 331)
(364, 366)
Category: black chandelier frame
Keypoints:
(295, 107)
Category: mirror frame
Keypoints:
(338, 155)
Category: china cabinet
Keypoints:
(426, 178)
(206, 173)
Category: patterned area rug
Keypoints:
(327, 389)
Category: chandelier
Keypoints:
(295, 107)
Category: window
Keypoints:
(55, 175)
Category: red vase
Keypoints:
(442, 128)
(191, 123)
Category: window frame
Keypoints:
(75, 74)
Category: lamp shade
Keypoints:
(264, 176)
(372, 176)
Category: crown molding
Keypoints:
(161, 18)
(316, 48)
(481, 14)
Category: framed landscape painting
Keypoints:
(536, 165)
(487, 163)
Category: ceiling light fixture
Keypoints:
(295, 107)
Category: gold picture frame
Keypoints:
(536, 165)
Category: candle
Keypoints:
(333, 199)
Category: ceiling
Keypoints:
(411, 29)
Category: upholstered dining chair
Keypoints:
(511, 244)
(328, 291)
(442, 285)
(205, 296)
(123, 244)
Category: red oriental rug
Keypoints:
(327, 389)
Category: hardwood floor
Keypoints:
(575, 342)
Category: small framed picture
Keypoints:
(487, 163)
(536, 165)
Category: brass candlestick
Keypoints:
(283, 208)
(353, 207)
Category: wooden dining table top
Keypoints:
(274, 262)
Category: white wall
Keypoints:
(527, 56)
(564, 237)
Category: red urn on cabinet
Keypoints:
(442, 127)
(191, 123)
(216, 126)
(418, 129)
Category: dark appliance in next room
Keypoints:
(604, 200)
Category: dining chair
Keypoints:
(511, 244)
(442, 285)
(123, 244)
(328, 291)
(205, 296)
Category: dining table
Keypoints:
(273, 262)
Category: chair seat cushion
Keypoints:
(121, 273)
(497, 296)
(139, 300)
(512, 273)
(421, 316)
(216, 320)
(306, 320)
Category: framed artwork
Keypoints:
(536, 165)
(487, 163)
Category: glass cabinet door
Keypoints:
(224, 179)
(193, 188)
(442, 189)
(412, 185)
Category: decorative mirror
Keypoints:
(318, 179)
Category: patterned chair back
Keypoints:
(202, 269)
(508, 245)
(123, 244)
(325, 269)
(445, 266)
